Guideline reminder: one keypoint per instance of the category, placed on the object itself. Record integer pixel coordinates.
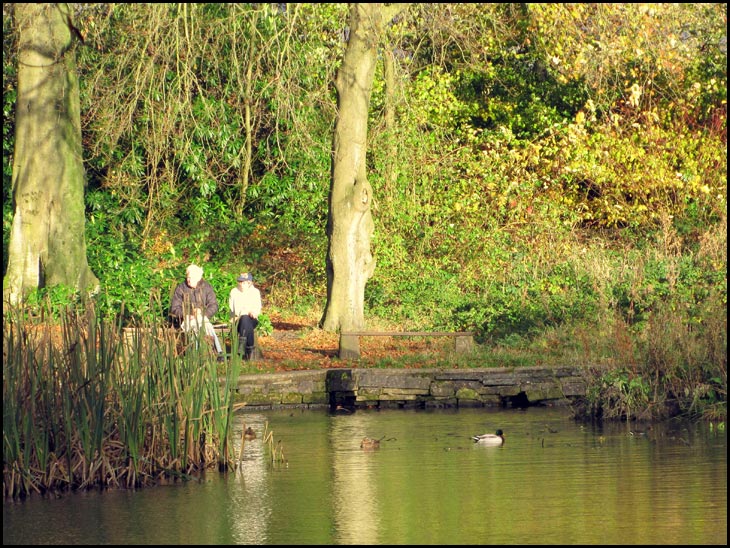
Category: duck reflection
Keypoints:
(356, 507)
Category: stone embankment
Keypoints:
(413, 388)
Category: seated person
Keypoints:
(194, 303)
(244, 302)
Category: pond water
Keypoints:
(554, 481)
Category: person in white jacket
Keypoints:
(244, 302)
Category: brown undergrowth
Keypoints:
(298, 344)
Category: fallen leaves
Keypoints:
(297, 344)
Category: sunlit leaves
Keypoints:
(655, 45)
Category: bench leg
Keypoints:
(349, 347)
(464, 343)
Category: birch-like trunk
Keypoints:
(47, 241)
(350, 224)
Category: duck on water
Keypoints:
(490, 439)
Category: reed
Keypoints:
(87, 405)
(274, 450)
(243, 442)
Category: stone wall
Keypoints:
(413, 388)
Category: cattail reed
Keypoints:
(88, 404)
(275, 450)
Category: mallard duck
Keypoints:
(249, 434)
(369, 443)
(490, 439)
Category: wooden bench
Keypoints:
(174, 336)
(138, 338)
(223, 330)
(350, 340)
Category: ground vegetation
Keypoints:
(552, 177)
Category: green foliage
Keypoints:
(522, 95)
(644, 174)
(52, 301)
(621, 394)
(264, 327)
(556, 177)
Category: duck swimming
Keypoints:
(369, 443)
(490, 439)
(249, 434)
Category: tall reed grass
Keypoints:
(85, 406)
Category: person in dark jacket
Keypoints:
(194, 303)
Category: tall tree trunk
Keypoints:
(47, 242)
(350, 224)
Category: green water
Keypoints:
(554, 481)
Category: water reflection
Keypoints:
(355, 497)
(250, 508)
(553, 482)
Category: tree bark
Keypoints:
(350, 224)
(47, 241)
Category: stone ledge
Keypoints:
(407, 388)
